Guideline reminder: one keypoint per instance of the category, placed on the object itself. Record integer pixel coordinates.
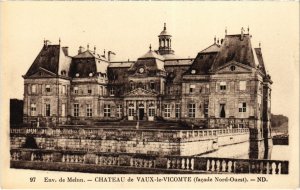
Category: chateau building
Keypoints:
(225, 85)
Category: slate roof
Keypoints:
(213, 48)
(86, 63)
(236, 49)
(260, 60)
(51, 58)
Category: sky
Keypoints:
(128, 28)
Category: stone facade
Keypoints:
(225, 86)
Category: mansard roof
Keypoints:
(235, 48)
(86, 63)
(51, 58)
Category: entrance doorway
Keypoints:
(141, 113)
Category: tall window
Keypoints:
(106, 110)
(63, 110)
(192, 88)
(177, 110)
(63, 89)
(192, 110)
(76, 110)
(167, 110)
(33, 109)
(76, 90)
(152, 85)
(112, 91)
(168, 90)
(222, 111)
(151, 110)
(131, 85)
(223, 86)
(48, 110)
(89, 110)
(206, 110)
(242, 85)
(131, 110)
(33, 88)
(119, 110)
(242, 107)
(48, 89)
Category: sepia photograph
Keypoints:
(180, 93)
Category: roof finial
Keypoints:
(59, 40)
(259, 44)
(225, 30)
(248, 29)
(94, 49)
(44, 41)
(165, 26)
(150, 47)
(215, 39)
(88, 46)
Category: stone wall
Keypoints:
(154, 142)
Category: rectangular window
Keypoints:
(167, 110)
(192, 110)
(206, 110)
(177, 110)
(47, 110)
(242, 85)
(89, 110)
(89, 90)
(107, 110)
(222, 111)
(119, 110)
(242, 107)
(63, 89)
(76, 90)
(48, 89)
(131, 111)
(168, 90)
(112, 91)
(33, 110)
(152, 86)
(33, 89)
(76, 110)
(223, 86)
(192, 87)
(151, 111)
(63, 110)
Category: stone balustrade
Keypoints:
(182, 163)
(108, 133)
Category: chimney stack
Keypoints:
(81, 49)
(110, 55)
(242, 33)
(66, 50)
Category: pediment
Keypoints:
(234, 67)
(141, 92)
(41, 72)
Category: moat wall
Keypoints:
(152, 142)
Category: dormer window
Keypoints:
(91, 74)
(193, 71)
(192, 87)
(48, 89)
(77, 75)
(76, 90)
(223, 86)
